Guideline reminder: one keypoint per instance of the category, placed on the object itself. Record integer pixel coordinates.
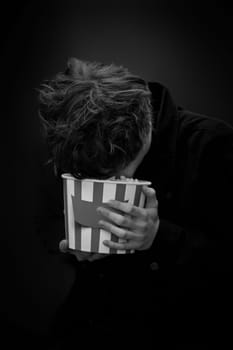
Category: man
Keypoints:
(102, 121)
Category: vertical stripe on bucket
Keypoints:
(78, 233)
(86, 238)
(120, 195)
(71, 226)
(130, 193)
(95, 238)
(97, 199)
(104, 235)
(78, 228)
(65, 207)
(87, 191)
(129, 197)
(109, 192)
(120, 192)
(137, 195)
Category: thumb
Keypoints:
(63, 246)
(151, 200)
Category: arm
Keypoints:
(205, 240)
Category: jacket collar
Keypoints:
(164, 139)
(165, 120)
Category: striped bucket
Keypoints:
(81, 199)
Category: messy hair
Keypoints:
(95, 118)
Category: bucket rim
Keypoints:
(67, 176)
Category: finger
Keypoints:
(151, 200)
(63, 246)
(120, 232)
(114, 217)
(96, 256)
(130, 245)
(126, 208)
(81, 256)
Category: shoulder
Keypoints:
(206, 144)
(202, 129)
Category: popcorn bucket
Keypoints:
(81, 199)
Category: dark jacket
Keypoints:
(186, 272)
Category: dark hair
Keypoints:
(95, 118)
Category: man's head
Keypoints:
(97, 118)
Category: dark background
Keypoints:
(185, 45)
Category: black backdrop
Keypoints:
(185, 45)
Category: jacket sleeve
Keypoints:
(206, 239)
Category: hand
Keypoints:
(81, 256)
(137, 227)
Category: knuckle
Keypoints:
(129, 208)
(109, 227)
(124, 234)
(120, 221)
(153, 192)
(108, 214)
(124, 221)
(152, 213)
(142, 225)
